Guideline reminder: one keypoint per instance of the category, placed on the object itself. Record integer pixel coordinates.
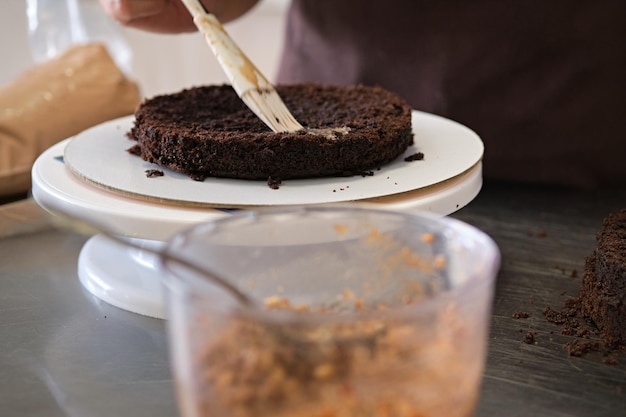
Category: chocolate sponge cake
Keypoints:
(208, 131)
(603, 292)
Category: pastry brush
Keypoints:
(250, 84)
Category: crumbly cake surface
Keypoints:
(603, 292)
(208, 131)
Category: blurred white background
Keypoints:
(161, 63)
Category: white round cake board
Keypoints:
(129, 279)
(99, 155)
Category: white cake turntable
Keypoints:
(92, 176)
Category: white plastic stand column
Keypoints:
(121, 276)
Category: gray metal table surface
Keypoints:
(65, 353)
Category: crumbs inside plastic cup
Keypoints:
(359, 317)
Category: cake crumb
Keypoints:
(428, 238)
(573, 323)
(521, 315)
(418, 156)
(152, 173)
(276, 302)
(529, 338)
(578, 347)
(197, 177)
(134, 150)
(439, 262)
(274, 183)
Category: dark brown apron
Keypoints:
(542, 82)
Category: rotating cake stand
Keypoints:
(91, 176)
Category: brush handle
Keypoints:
(249, 83)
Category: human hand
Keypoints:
(170, 16)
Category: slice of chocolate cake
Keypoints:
(603, 292)
(208, 131)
